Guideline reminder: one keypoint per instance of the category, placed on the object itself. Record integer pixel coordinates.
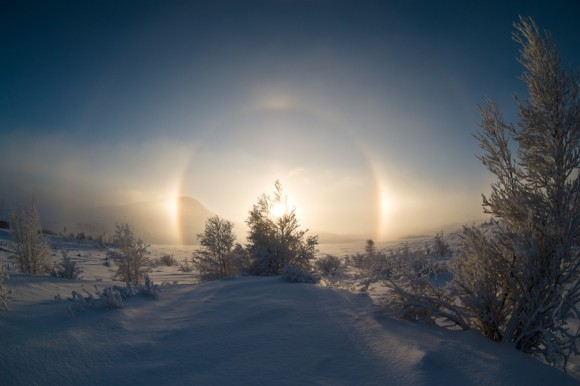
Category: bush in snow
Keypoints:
(330, 265)
(373, 263)
(521, 284)
(215, 259)
(109, 298)
(185, 267)
(112, 297)
(66, 268)
(440, 247)
(149, 288)
(167, 260)
(295, 274)
(130, 257)
(274, 238)
(31, 246)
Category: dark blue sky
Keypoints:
(364, 110)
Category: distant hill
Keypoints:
(158, 222)
(191, 219)
(330, 238)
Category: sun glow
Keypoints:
(386, 205)
(278, 209)
(171, 207)
(172, 210)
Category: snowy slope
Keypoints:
(243, 331)
(248, 330)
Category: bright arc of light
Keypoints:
(384, 203)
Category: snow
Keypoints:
(246, 330)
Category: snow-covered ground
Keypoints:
(247, 330)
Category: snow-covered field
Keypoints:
(247, 330)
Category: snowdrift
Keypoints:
(243, 331)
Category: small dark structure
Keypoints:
(4, 224)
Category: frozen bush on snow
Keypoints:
(112, 297)
(167, 260)
(330, 265)
(295, 274)
(185, 266)
(109, 298)
(31, 246)
(373, 263)
(440, 247)
(149, 288)
(66, 268)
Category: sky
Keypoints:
(364, 110)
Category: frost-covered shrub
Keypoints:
(31, 245)
(149, 288)
(295, 274)
(440, 247)
(112, 297)
(100, 240)
(108, 298)
(167, 260)
(66, 268)
(330, 265)
(372, 266)
(357, 260)
(185, 266)
(131, 259)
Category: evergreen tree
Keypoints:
(275, 238)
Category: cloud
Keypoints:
(62, 169)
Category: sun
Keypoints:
(278, 209)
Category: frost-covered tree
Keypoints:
(31, 245)
(275, 238)
(215, 258)
(131, 256)
(519, 281)
(534, 257)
